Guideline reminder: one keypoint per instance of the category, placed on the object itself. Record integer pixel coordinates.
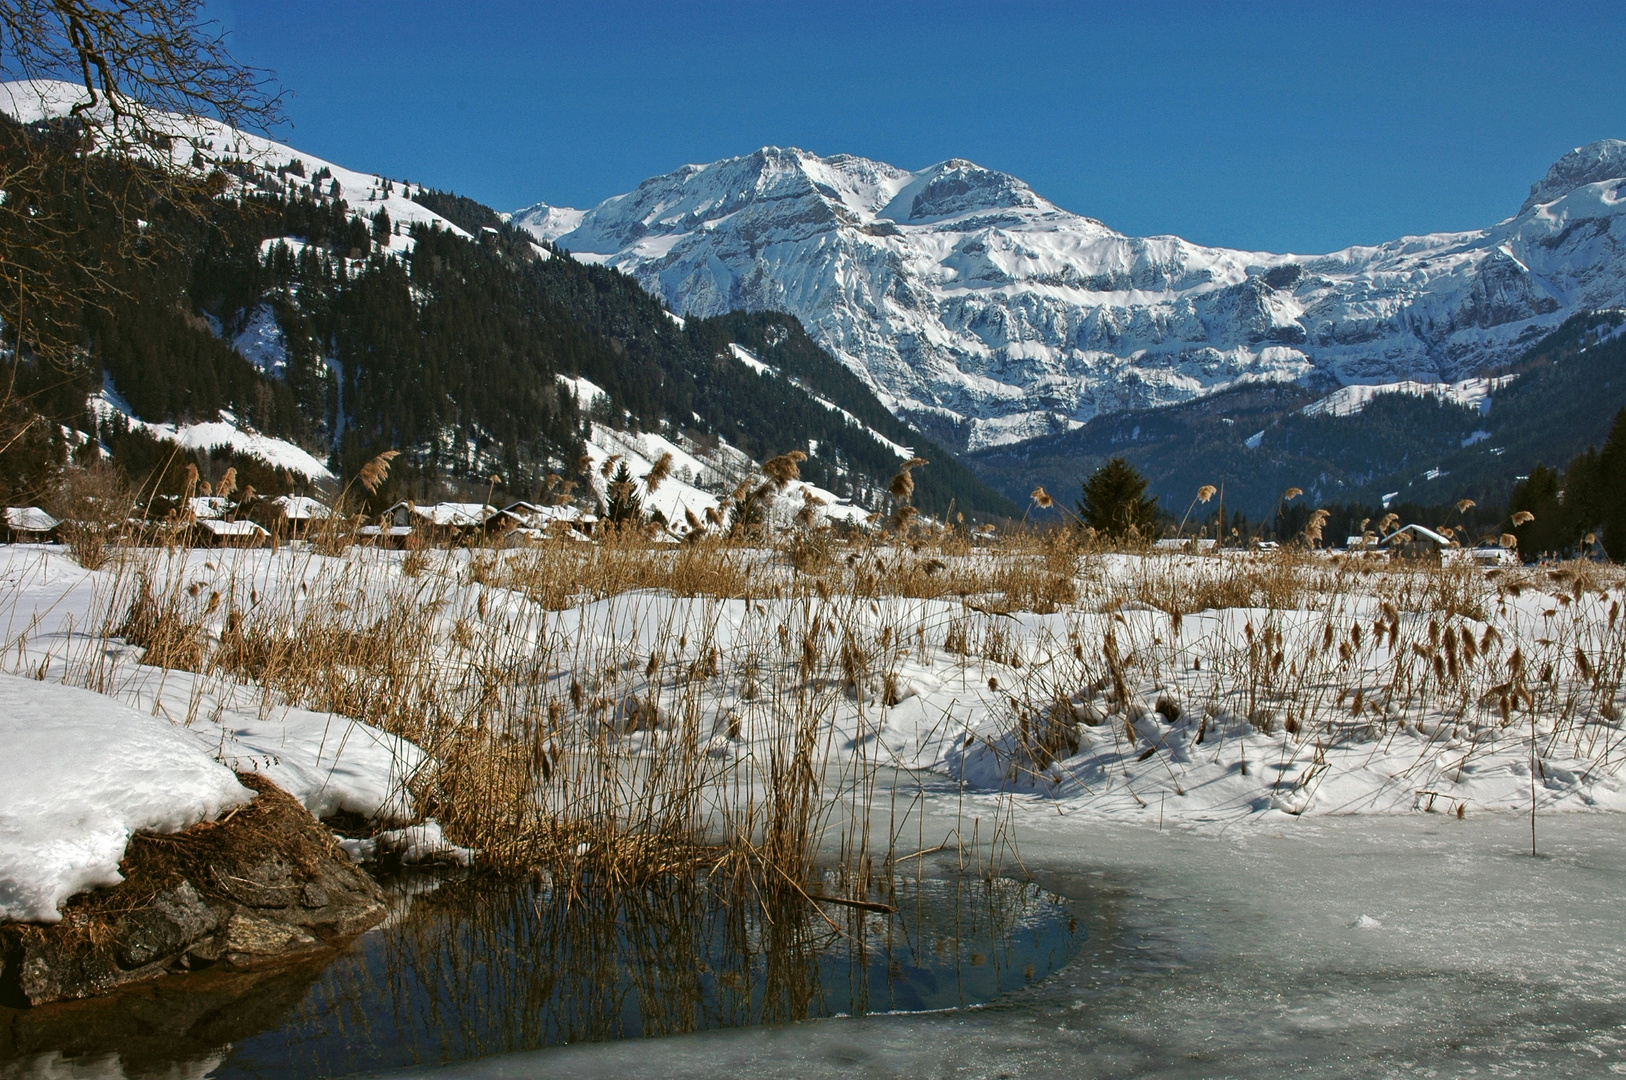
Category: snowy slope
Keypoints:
(1349, 400)
(227, 431)
(987, 315)
(699, 479)
(30, 101)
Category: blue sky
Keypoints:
(1288, 127)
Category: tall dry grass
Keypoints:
(623, 709)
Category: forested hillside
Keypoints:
(464, 352)
(1258, 440)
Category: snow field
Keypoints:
(1285, 686)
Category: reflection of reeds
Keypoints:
(478, 967)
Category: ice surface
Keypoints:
(79, 774)
(1245, 955)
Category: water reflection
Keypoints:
(478, 967)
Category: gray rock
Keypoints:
(165, 927)
(268, 883)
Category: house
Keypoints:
(1192, 545)
(1486, 555)
(522, 522)
(210, 507)
(1417, 542)
(29, 525)
(446, 522)
(390, 536)
(213, 532)
(451, 520)
(295, 514)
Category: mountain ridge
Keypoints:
(986, 315)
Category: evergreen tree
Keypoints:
(1114, 502)
(624, 506)
(1550, 529)
(1611, 487)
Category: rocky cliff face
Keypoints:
(986, 315)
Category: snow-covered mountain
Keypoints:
(985, 314)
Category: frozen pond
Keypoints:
(1363, 947)
(1418, 946)
(468, 969)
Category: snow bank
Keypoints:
(413, 845)
(329, 763)
(80, 774)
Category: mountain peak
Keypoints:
(1589, 164)
(954, 187)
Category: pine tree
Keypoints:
(624, 506)
(1114, 502)
(1611, 488)
(1548, 529)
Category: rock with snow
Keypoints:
(79, 774)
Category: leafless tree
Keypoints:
(103, 127)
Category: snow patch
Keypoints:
(329, 763)
(261, 343)
(205, 437)
(1351, 400)
(585, 391)
(749, 359)
(79, 775)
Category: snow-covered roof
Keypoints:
(29, 519)
(232, 528)
(1419, 532)
(300, 507)
(533, 516)
(208, 507)
(455, 515)
(1487, 555)
(393, 530)
(1177, 543)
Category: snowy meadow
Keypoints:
(638, 697)
(800, 725)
